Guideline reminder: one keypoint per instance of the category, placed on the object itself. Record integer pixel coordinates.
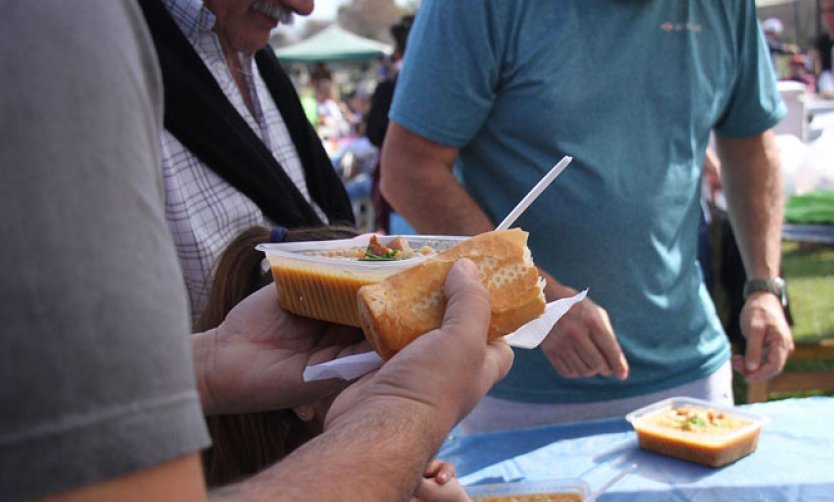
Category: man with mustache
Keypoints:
(237, 150)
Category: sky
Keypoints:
(325, 10)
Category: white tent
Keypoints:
(768, 3)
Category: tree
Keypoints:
(371, 18)
(311, 27)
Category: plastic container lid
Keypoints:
(637, 418)
(562, 490)
(319, 279)
(325, 253)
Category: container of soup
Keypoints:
(550, 490)
(319, 279)
(697, 431)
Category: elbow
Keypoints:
(390, 190)
(391, 187)
(390, 177)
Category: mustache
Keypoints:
(277, 10)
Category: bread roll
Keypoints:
(410, 303)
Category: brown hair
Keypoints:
(244, 444)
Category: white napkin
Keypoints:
(528, 336)
(346, 368)
(531, 334)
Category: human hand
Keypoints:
(255, 359)
(768, 336)
(439, 484)
(442, 374)
(583, 344)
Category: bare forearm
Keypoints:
(449, 210)
(753, 185)
(417, 181)
(379, 452)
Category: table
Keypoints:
(819, 116)
(794, 460)
(820, 234)
(816, 105)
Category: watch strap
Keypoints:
(774, 286)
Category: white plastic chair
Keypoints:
(796, 121)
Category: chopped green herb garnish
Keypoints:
(388, 256)
(697, 420)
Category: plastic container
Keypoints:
(319, 279)
(697, 431)
(552, 490)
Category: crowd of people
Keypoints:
(811, 67)
(144, 352)
(340, 120)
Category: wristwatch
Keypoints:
(775, 286)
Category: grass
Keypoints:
(809, 271)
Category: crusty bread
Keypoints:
(410, 303)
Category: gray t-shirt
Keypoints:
(96, 378)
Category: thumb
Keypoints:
(468, 303)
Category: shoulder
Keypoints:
(95, 267)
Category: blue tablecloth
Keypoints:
(794, 460)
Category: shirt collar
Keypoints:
(191, 16)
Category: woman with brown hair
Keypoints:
(244, 444)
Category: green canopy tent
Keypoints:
(333, 44)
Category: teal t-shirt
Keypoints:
(631, 89)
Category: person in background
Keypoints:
(387, 220)
(320, 72)
(780, 51)
(356, 158)
(237, 149)
(357, 105)
(244, 444)
(492, 90)
(102, 389)
(798, 72)
(332, 122)
(821, 52)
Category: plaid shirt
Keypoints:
(204, 212)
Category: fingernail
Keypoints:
(467, 265)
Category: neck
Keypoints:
(233, 61)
